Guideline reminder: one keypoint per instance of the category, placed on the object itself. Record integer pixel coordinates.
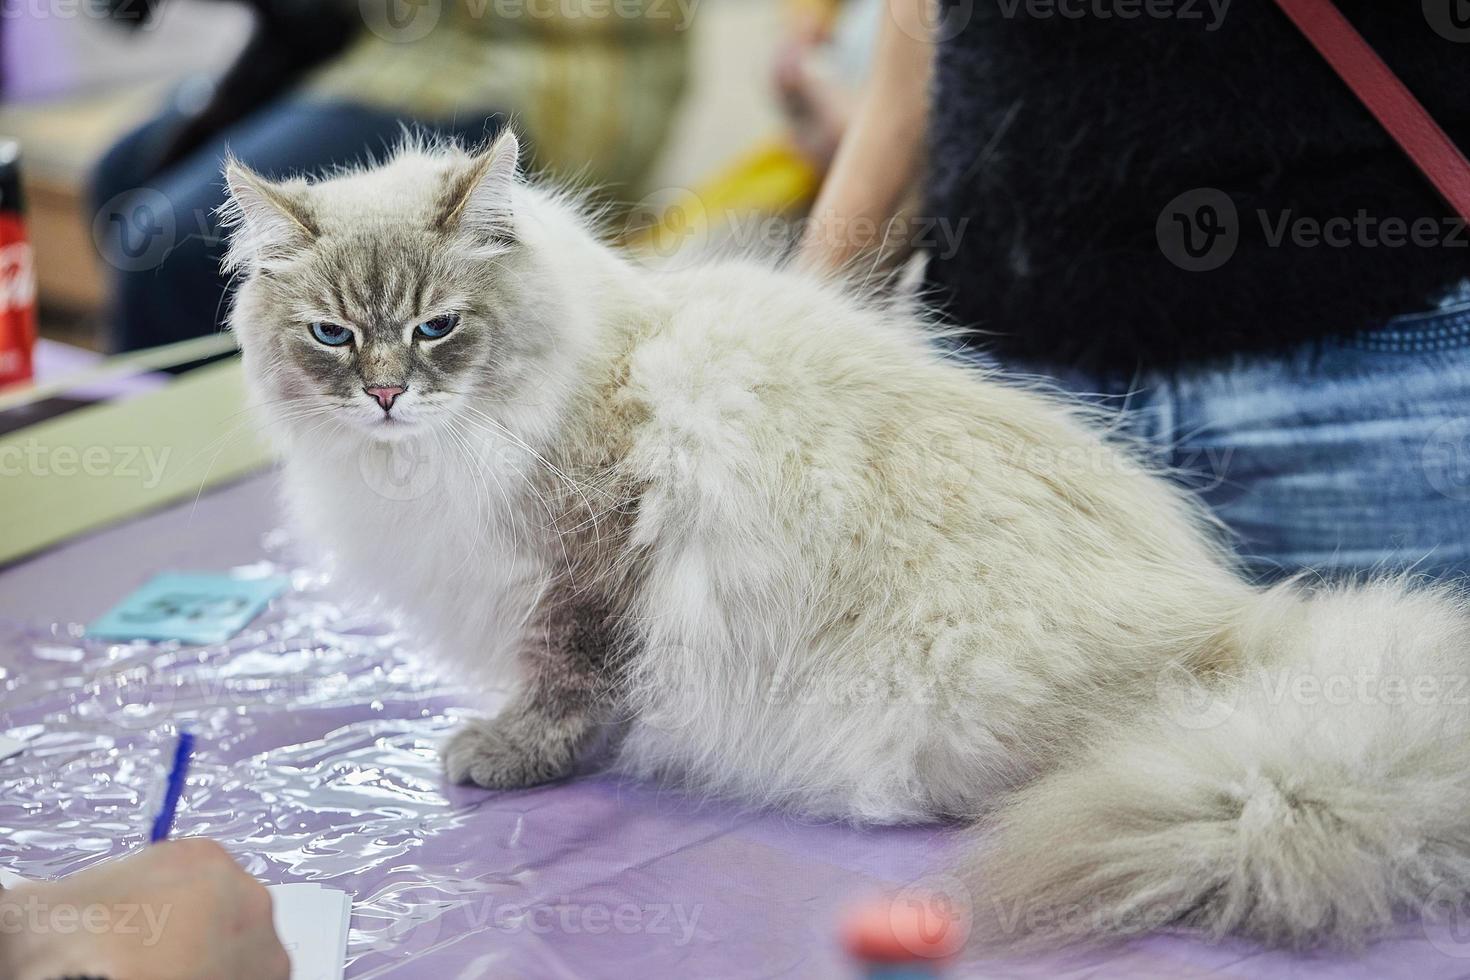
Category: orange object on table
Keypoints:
(911, 927)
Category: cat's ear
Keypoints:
(477, 198)
(269, 220)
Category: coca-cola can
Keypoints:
(17, 274)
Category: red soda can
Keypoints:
(17, 274)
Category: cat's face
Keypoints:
(377, 300)
(386, 339)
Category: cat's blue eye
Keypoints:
(331, 334)
(437, 327)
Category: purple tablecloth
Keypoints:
(317, 763)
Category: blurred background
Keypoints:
(739, 99)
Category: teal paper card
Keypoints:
(190, 607)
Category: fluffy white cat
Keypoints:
(798, 556)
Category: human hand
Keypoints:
(816, 104)
(180, 909)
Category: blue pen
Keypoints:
(164, 822)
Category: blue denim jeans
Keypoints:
(1343, 456)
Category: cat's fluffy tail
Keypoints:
(1307, 799)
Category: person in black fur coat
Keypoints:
(1179, 209)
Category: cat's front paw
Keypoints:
(499, 757)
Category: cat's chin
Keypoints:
(390, 428)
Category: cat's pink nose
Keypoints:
(386, 394)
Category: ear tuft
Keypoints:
(477, 198)
(268, 220)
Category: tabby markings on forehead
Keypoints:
(380, 292)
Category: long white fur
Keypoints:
(880, 586)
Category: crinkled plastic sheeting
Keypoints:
(316, 762)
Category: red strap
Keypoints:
(1380, 90)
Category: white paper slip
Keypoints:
(312, 922)
(10, 746)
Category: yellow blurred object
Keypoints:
(814, 11)
(771, 179)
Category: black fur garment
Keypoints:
(1063, 139)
